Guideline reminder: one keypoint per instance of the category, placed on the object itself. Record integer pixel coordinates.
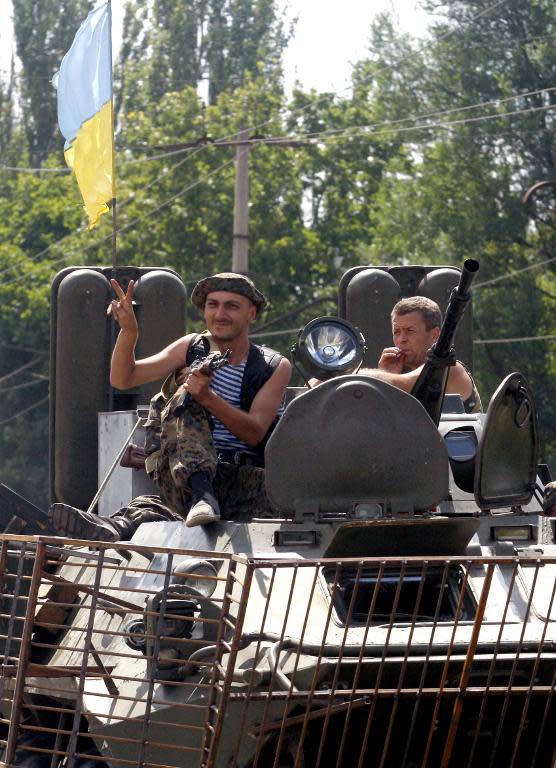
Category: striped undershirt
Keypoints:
(226, 383)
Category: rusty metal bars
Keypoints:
(112, 656)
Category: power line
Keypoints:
(308, 106)
(83, 228)
(20, 348)
(330, 134)
(130, 224)
(419, 49)
(136, 161)
(514, 340)
(21, 368)
(517, 339)
(34, 170)
(24, 385)
(373, 75)
(513, 273)
(25, 410)
(440, 113)
(180, 148)
(367, 131)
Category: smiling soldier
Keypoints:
(207, 457)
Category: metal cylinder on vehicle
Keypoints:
(370, 296)
(80, 387)
(82, 339)
(367, 295)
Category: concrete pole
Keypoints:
(240, 246)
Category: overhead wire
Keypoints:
(130, 224)
(136, 161)
(440, 113)
(25, 410)
(420, 48)
(441, 37)
(267, 140)
(23, 367)
(300, 111)
(327, 134)
(514, 340)
(513, 273)
(24, 385)
(351, 132)
(83, 228)
(18, 169)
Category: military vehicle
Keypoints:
(398, 610)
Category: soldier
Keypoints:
(211, 455)
(416, 323)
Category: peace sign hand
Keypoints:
(122, 307)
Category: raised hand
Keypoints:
(391, 360)
(121, 308)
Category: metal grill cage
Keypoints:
(122, 655)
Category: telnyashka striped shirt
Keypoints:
(226, 383)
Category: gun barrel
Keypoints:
(456, 306)
(468, 272)
(430, 386)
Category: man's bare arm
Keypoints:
(405, 381)
(125, 370)
(249, 426)
(459, 382)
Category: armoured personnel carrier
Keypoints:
(398, 610)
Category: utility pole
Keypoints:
(240, 243)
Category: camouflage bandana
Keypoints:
(227, 281)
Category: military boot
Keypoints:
(204, 507)
(77, 524)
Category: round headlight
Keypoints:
(200, 575)
(329, 346)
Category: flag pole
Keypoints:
(112, 131)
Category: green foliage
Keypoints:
(457, 191)
(215, 44)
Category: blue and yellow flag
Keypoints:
(85, 116)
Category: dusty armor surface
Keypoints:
(399, 608)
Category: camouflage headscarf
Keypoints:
(227, 281)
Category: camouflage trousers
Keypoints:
(179, 445)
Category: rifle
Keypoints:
(430, 387)
(206, 365)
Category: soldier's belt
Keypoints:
(238, 458)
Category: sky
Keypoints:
(330, 35)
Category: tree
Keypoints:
(43, 32)
(7, 113)
(207, 44)
(482, 80)
(250, 38)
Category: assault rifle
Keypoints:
(430, 387)
(135, 455)
(206, 365)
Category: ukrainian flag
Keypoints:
(85, 113)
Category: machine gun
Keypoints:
(206, 365)
(430, 387)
